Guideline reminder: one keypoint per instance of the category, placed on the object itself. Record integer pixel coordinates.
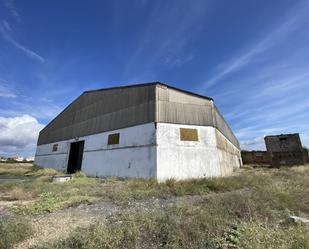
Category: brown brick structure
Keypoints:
(285, 149)
(255, 157)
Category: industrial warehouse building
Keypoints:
(148, 130)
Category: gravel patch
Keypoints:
(54, 226)
(58, 225)
(14, 179)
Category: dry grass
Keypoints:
(55, 226)
(13, 230)
(247, 210)
(15, 169)
(185, 226)
(19, 193)
(25, 169)
(283, 188)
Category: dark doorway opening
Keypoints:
(75, 157)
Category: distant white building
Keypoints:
(18, 158)
(149, 130)
(30, 159)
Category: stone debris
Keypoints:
(299, 219)
(63, 178)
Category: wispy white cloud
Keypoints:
(177, 61)
(161, 42)
(256, 143)
(263, 89)
(10, 5)
(7, 25)
(254, 53)
(282, 84)
(286, 116)
(38, 108)
(274, 98)
(6, 35)
(237, 63)
(19, 102)
(252, 137)
(5, 91)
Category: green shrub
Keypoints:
(13, 230)
(186, 226)
(48, 202)
(51, 202)
(39, 171)
(146, 230)
(257, 235)
(79, 174)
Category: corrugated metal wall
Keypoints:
(103, 110)
(181, 108)
(177, 107)
(98, 111)
(222, 126)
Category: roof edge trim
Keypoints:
(149, 84)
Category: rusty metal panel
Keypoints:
(113, 138)
(188, 134)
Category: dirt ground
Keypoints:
(258, 200)
(14, 179)
(58, 225)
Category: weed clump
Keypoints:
(79, 174)
(13, 230)
(19, 193)
(39, 171)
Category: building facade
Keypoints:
(285, 149)
(149, 131)
(255, 157)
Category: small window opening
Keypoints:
(113, 138)
(188, 134)
(55, 147)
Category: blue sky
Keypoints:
(252, 57)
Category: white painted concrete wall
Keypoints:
(134, 156)
(186, 159)
(229, 155)
(147, 152)
(191, 159)
(45, 157)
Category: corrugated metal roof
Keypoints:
(149, 84)
(99, 111)
(119, 107)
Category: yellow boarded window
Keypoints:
(55, 147)
(188, 134)
(113, 138)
